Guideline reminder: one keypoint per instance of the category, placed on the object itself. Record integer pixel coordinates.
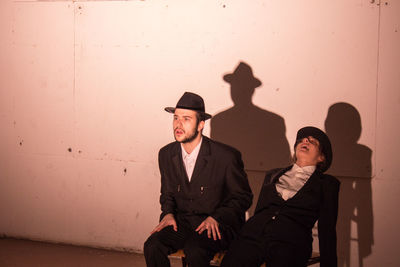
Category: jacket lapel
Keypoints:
(178, 163)
(311, 182)
(274, 177)
(202, 159)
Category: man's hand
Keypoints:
(211, 225)
(167, 220)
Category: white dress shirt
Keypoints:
(189, 160)
(293, 180)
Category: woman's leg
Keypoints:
(244, 253)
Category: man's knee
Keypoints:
(155, 252)
(152, 245)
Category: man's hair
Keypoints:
(200, 117)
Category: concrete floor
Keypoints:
(24, 253)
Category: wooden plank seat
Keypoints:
(216, 261)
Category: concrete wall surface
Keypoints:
(83, 85)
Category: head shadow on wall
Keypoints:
(352, 166)
(260, 135)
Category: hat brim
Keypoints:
(172, 110)
(230, 78)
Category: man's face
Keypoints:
(185, 125)
(307, 151)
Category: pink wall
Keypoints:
(83, 85)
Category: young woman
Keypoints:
(291, 201)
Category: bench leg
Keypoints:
(184, 263)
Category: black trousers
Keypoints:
(199, 249)
(252, 251)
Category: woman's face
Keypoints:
(308, 152)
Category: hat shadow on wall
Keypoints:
(260, 135)
(352, 166)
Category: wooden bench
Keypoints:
(216, 261)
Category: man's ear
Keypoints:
(200, 126)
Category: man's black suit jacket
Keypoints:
(218, 186)
(292, 220)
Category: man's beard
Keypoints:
(189, 138)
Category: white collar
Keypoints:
(306, 169)
(195, 151)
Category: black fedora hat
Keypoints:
(324, 142)
(190, 101)
(243, 73)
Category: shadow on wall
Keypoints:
(352, 166)
(258, 134)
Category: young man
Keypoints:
(291, 201)
(204, 191)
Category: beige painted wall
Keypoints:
(83, 85)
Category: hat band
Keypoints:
(192, 108)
